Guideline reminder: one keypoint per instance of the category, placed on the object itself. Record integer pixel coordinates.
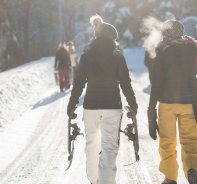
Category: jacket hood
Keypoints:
(100, 49)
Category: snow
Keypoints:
(135, 60)
(109, 7)
(188, 19)
(166, 4)
(33, 147)
(190, 26)
(139, 5)
(151, 1)
(15, 38)
(124, 12)
(21, 87)
(169, 4)
(170, 15)
(162, 5)
(118, 21)
(16, 129)
(127, 34)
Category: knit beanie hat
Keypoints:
(172, 28)
(103, 29)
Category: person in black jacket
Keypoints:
(103, 68)
(174, 85)
(62, 63)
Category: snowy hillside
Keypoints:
(21, 88)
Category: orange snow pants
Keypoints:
(187, 126)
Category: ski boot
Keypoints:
(192, 176)
(168, 181)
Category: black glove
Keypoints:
(70, 109)
(133, 108)
(152, 123)
(132, 112)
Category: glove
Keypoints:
(132, 112)
(70, 109)
(152, 123)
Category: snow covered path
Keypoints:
(33, 148)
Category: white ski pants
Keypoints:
(102, 138)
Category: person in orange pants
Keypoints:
(174, 85)
(187, 132)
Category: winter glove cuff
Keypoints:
(152, 114)
(152, 123)
(134, 108)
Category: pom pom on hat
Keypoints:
(96, 20)
(103, 29)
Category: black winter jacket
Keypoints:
(62, 59)
(103, 67)
(174, 76)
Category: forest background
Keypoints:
(30, 29)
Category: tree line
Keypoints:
(33, 29)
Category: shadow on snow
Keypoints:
(55, 96)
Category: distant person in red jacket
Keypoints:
(62, 64)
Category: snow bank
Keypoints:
(20, 88)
